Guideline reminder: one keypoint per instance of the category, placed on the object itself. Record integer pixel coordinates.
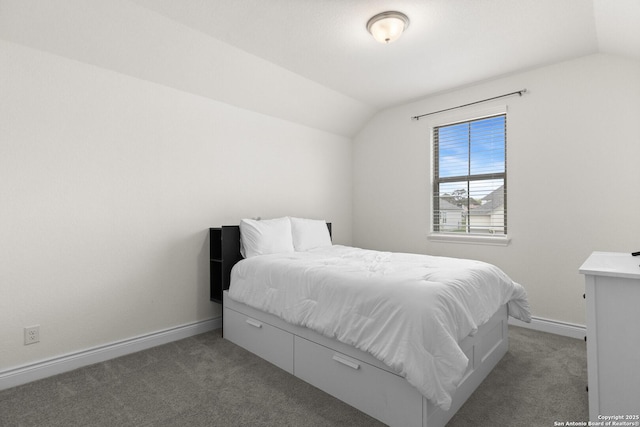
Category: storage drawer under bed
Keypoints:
(354, 377)
(270, 343)
(382, 394)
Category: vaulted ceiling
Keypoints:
(449, 43)
(312, 62)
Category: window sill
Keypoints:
(472, 239)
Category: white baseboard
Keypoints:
(57, 365)
(570, 330)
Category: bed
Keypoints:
(352, 322)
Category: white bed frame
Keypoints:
(356, 377)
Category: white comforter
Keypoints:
(409, 311)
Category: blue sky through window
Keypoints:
(483, 139)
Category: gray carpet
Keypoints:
(207, 381)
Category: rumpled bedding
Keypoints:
(407, 310)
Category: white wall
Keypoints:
(108, 184)
(123, 36)
(573, 176)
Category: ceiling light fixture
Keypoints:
(386, 27)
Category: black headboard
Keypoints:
(224, 253)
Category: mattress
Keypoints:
(409, 311)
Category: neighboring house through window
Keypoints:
(470, 177)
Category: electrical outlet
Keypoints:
(31, 334)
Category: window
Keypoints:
(470, 177)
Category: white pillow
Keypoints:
(309, 234)
(268, 236)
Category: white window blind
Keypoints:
(470, 177)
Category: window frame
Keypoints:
(457, 237)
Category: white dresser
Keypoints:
(613, 334)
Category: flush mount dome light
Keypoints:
(387, 26)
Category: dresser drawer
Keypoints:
(379, 393)
(270, 343)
